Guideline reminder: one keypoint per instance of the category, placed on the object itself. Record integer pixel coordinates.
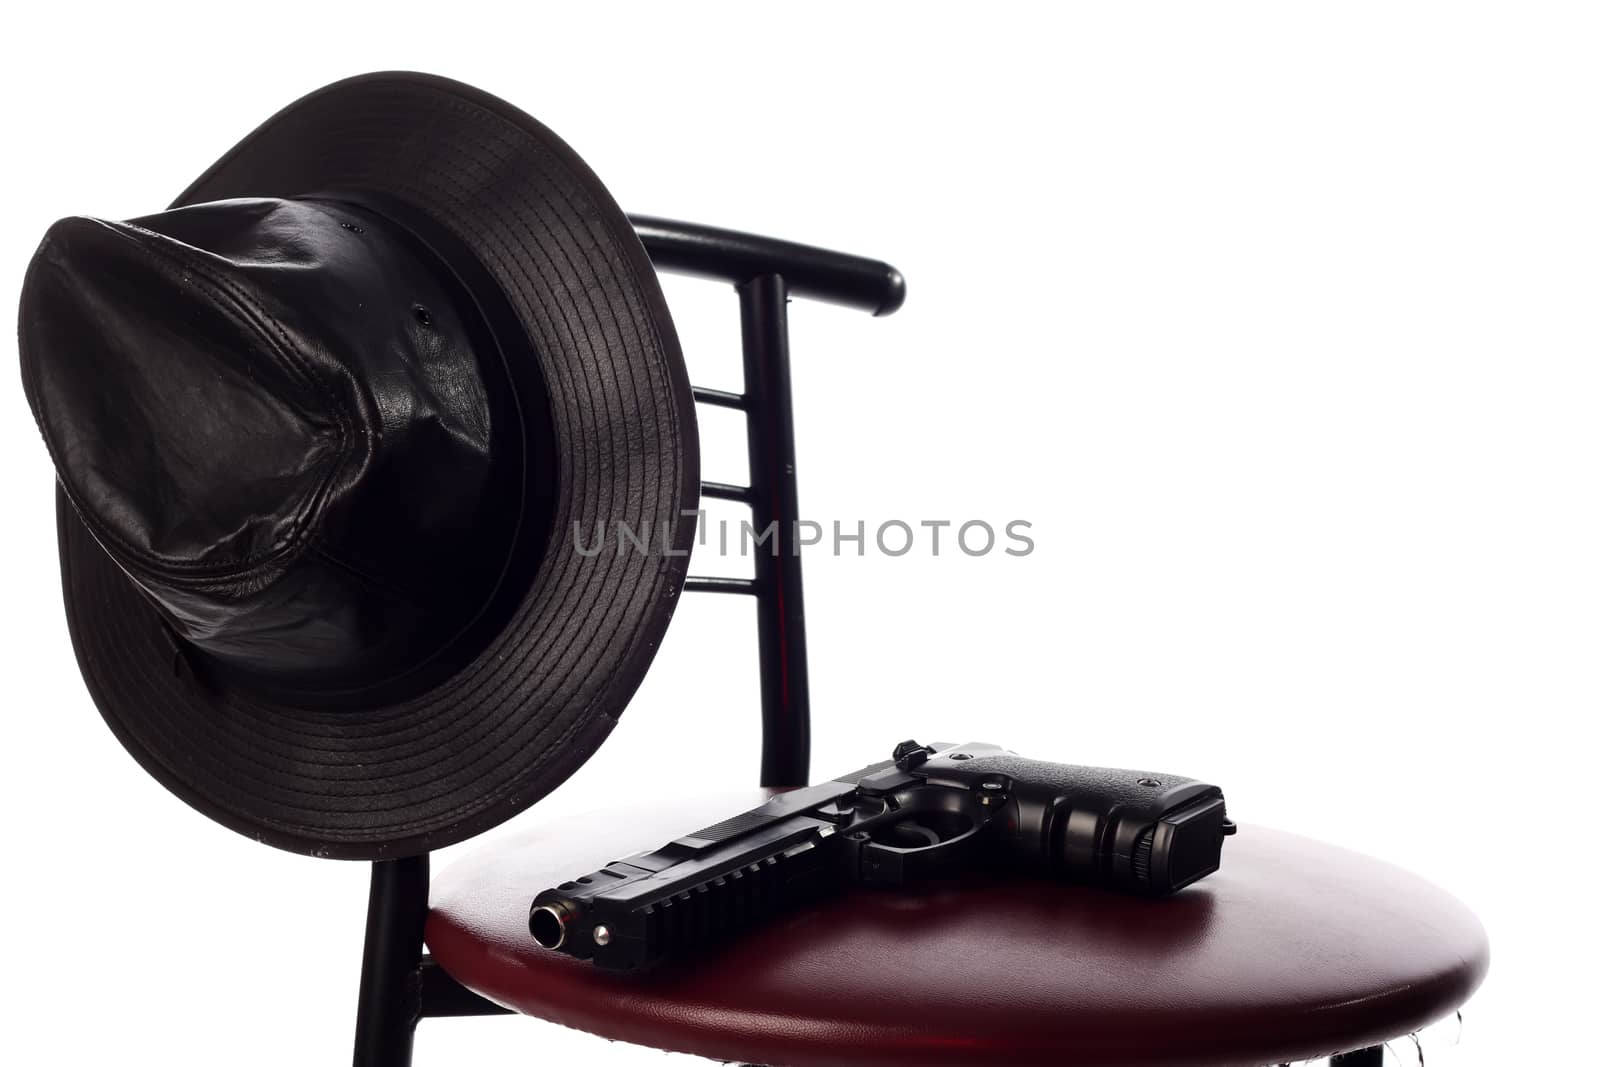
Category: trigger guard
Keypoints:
(877, 863)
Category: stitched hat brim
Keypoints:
(382, 782)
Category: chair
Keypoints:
(1295, 950)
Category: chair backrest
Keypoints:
(766, 272)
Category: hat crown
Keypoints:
(160, 374)
(271, 413)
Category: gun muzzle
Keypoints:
(548, 924)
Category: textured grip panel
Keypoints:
(1099, 788)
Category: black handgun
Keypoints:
(931, 809)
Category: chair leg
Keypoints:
(390, 999)
(1367, 1057)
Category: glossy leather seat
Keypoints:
(1293, 951)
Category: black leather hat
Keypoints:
(324, 432)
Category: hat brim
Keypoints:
(396, 780)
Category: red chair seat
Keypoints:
(1293, 950)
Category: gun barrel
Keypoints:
(548, 924)
(634, 912)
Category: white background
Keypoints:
(1278, 322)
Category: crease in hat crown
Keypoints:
(209, 384)
(225, 388)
